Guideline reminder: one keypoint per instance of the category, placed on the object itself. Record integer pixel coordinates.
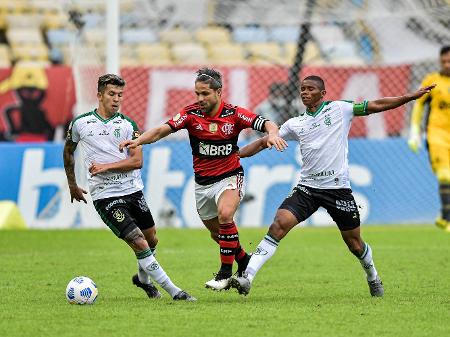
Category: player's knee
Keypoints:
(137, 239)
(226, 214)
(443, 175)
(277, 230)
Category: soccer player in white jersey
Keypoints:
(322, 133)
(115, 182)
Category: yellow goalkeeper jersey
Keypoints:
(438, 125)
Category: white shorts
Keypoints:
(206, 196)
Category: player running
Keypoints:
(115, 182)
(214, 128)
(322, 134)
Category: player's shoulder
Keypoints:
(229, 110)
(121, 118)
(193, 109)
(84, 118)
(432, 77)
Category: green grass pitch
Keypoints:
(311, 287)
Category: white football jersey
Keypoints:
(323, 141)
(99, 140)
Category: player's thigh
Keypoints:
(140, 210)
(115, 213)
(204, 201)
(440, 162)
(341, 206)
(300, 202)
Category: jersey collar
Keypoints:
(318, 110)
(102, 119)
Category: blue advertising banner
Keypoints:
(391, 184)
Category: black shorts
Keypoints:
(125, 213)
(339, 203)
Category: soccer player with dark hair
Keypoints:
(437, 131)
(214, 126)
(115, 182)
(322, 133)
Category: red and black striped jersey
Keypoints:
(214, 139)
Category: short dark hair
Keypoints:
(106, 79)
(210, 76)
(444, 50)
(316, 79)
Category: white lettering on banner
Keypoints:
(161, 81)
(239, 87)
(159, 179)
(367, 86)
(260, 180)
(33, 177)
(188, 206)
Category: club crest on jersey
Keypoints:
(327, 120)
(117, 132)
(213, 127)
(227, 128)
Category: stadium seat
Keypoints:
(5, 58)
(46, 6)
(57, 37)
(264, 52)
(54, 21)
(311, 54)
(284, 34)
(153, 54)
(24, 35)
(31, 21)
(177, 35)
(250, 34)
(95, 36)
(141, 35)
(32, 51)
(189, 53)
(213, 35)
(226, 53)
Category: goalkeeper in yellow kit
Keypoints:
(437, 131)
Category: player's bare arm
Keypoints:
(76, 192)
(148, 137)
(132, 162)
(254, 147)
(388, 103)
(273, 138)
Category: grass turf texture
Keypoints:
(312, 286)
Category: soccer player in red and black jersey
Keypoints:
(214, 128)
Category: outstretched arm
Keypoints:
(254, 147)
(69, 166)
(388, 103)
(148, 137)
(132, 162)
(273, 138)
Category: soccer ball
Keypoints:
(81, 290)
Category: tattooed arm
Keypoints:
(76, 192)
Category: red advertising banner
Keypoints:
(35, 101)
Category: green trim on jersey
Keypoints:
(105, 120)
(81, 116)
(319, 109)
(360, 109)
(136, 132)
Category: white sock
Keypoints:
(149, 264)
(142, 275)
(261, 255)
(367, 263)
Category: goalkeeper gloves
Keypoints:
(415, 139)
